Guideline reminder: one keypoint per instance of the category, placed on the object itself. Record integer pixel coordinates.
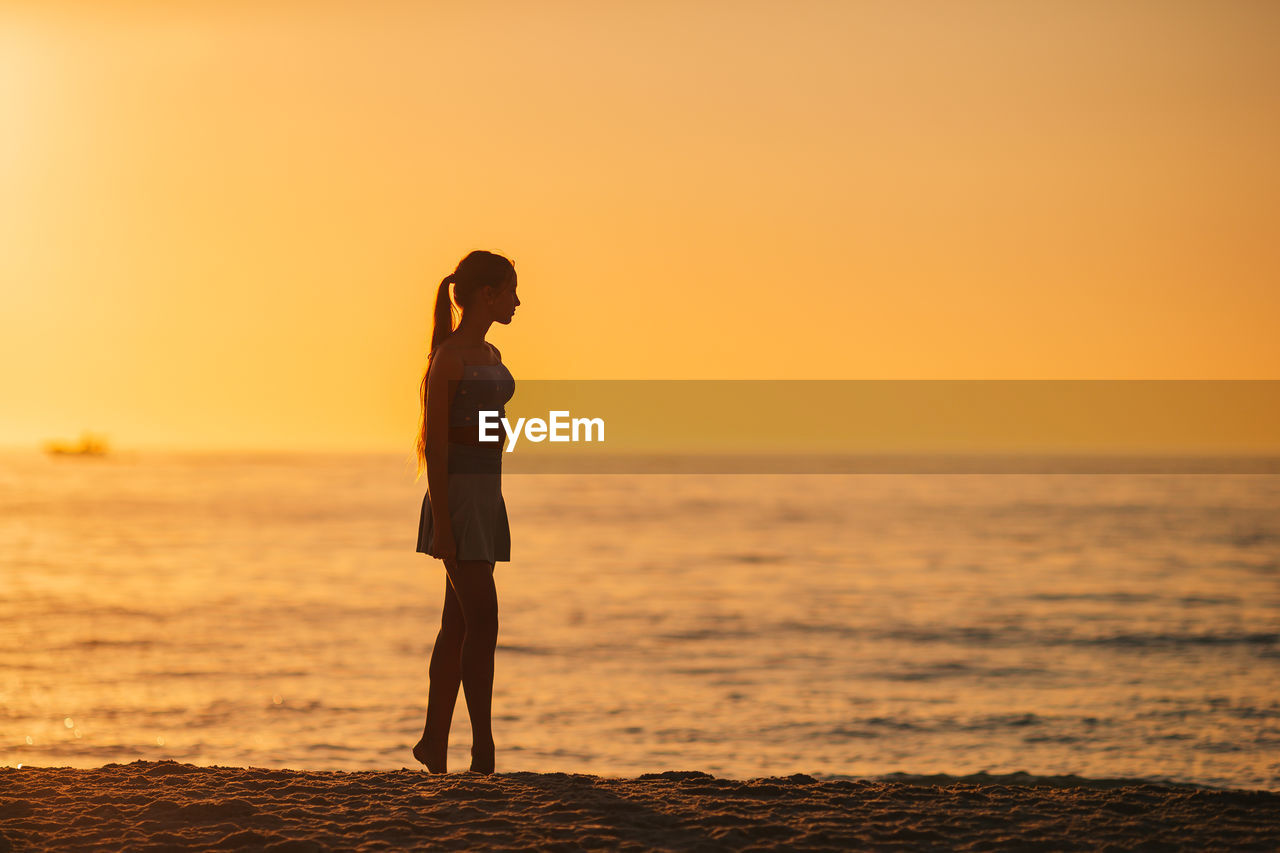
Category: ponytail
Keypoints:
(443, 323)
(441, 328)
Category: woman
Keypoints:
(464, 518)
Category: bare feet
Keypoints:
(435, 759)
(482, 758)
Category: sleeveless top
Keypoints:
(483, 387)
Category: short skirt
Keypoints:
(476, 509)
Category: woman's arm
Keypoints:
(446, 367)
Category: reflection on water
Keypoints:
(270, 610)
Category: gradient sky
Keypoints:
(223, 223)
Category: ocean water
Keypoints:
(270, 610)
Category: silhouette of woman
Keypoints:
(464, 518)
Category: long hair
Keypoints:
(478, 269)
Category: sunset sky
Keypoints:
(222, 224)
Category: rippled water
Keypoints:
(270, 610)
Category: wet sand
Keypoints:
(164, 805)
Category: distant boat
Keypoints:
(88, 445)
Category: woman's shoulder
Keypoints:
(447, 361)
(471, 355)
(452, 358)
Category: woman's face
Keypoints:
(503, 302)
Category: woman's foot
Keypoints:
(435, 759)
(482, 759)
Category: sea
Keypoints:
(270, 610)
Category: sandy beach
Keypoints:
(165, 805)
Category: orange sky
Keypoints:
(223, 223)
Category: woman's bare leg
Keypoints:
(446, 676)
(473, 582)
